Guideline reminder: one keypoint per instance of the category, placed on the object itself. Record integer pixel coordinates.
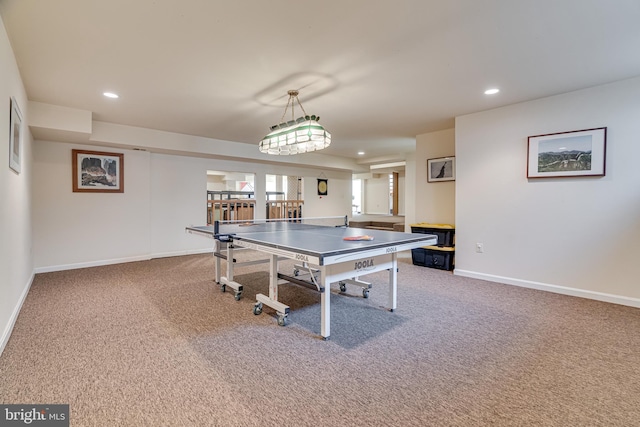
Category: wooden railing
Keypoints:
(223, 210)
(244, 209)
(284, 209)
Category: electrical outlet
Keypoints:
(479, 248)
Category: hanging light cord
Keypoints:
(292, 94)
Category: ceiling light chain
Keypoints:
(292, 94)
(295, 93)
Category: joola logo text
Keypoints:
(363, 265)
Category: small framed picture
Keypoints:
(441, 169)
(15, 136)
(97, 172)
(567, 154)
(322, 187)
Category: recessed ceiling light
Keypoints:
(110, 95)
(360, 153)
(491, 91)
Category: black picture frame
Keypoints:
(323, 186)
(567, 154)
(441, 169)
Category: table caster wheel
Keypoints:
(296, 272)
(282, 319)
(365, 293)
(238, 295)
(257, 308)
(223, 288)
(343, 287)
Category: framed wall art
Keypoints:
(441, 169)
(15, 136)
(322, 186)
(567, 154)
(97, 171)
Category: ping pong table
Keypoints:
(320, 248)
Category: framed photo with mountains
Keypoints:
(567, 154)
(97, 172)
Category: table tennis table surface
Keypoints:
(318, 243)
(316, 240)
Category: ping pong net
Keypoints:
(224, 229)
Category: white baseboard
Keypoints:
(599, 296)
(4, 339)
(181, 253)
(63, 267)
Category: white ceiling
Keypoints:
(378, 72)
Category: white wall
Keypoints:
(163, 194)
(402, 194)
(434, 201)
(16, 259)
(376, 194)
(410, 192)
(337, 202)
(81, 229)
(572, 235)
(178, 199)
(216, 183)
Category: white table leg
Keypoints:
(325, 305)
(282, 310)
(218, 263)
(393, 282)
(228, 279)
(273, 278)
(230, 262)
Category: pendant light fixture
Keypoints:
(301, 135)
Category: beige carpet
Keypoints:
(157, 343)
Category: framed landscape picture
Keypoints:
(441, 169)
(567, 154)
(97, 171)
(15, 136)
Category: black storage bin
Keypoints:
(434, 257)
(444, 232)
